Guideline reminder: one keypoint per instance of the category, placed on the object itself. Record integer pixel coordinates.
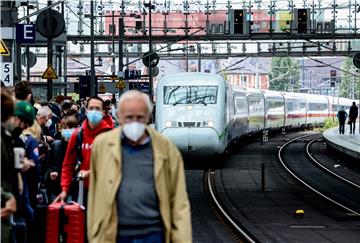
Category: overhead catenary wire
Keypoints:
(330, 65)
(225, 69)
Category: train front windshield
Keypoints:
(205, 94)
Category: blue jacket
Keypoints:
(33, 175)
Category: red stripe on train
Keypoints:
(292, 116)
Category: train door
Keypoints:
(284, 102)
(265, 109)
(306, 110)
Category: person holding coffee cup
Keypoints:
(24, 116)
(13, 122)
(9, 179)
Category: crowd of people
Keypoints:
(39, 133)
(45, 145)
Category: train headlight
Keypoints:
(170, 124)
(208, 124)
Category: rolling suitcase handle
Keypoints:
(80, 199)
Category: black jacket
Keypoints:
(353, 112)
(9, 178)
(55, 161)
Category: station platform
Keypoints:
(345, 143)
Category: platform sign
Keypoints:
(49, 73)
(25, 33)
(4, 51)
(84, 86)
(132, 74)
(7, 73)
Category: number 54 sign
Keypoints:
(7, 74)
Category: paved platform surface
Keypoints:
(345, 143)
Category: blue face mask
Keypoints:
(94, 117)
(66, 133)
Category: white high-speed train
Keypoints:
(202, 114)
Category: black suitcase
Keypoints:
(19, 232)
(40, 215)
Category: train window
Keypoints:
(204, 94)
(317, 107)
(256, 105)
(240, 105)
(273, 104)
(302, 105)
(290, 106)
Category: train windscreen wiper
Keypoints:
(202, 102)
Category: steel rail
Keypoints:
(226, 215)
(326, 169)
(306, 184)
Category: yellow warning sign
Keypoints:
(120, 84)
(49, 73)
(4, 51)
(102, 89)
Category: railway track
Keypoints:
(296, 158)
(325, 168)
(237, 229)
(255, 214)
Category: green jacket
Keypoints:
(105, 177)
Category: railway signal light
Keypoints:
(303, 20)
(238, 22)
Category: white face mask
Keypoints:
(48, 123)
(134, 130)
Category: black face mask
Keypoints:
(16, 132)
(73, 112)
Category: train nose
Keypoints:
(194, 141)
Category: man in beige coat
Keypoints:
(137, 182)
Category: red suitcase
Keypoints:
(65, 223)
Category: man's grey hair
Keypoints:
(131, 94)
(44, 111)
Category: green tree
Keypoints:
(283, 69)
(347, 78)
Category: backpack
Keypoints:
(74, 187)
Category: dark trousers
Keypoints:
(352, 126)
(153, 237)
(341, 127)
